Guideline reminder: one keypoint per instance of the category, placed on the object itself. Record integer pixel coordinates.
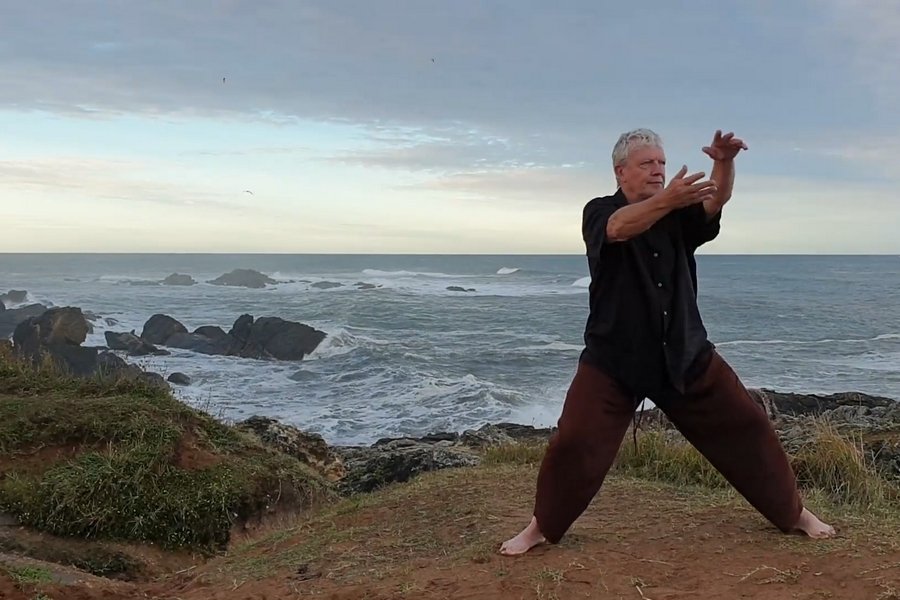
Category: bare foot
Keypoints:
(527, 539)
(810, 524)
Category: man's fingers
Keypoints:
(681, 172)
(689, 180)
(704, 186)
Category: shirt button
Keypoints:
(656, 255)
(659, 284)
(664, 342)
(665, 313)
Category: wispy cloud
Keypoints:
(111, 180)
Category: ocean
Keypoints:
(410, 357)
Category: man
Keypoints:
(644, 338)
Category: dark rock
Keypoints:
(280, 339)
(397, 461)
(13, 297)
(244, 278)
(456, 288)
(213, 332)
(77, 360)
(179, 378)
(134, 345)
(57, 334)
(308, 448)
(241, 329)
(179, 279)
(814, 404)
(159, 328)
(65, 325)
(11, 317)
(108, 364)
(326, 285)
(366, 286)
(200, 343)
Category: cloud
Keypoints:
(105, 179)
(444, 150)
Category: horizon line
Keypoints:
(225, 253)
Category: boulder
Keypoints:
(179, 379)
(65, 325)
(284, 340)
(134, 345)
(13, 297)
(179, 279)
(110, 364)
(244, 278)
(11, 317)
(159, 328)
(197, 342)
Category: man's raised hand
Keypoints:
(685, 190)
(724, 147)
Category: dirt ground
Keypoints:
(437, 538)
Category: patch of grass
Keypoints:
(666, 456)
(122, 460)
(95, 559)
(29, 575)
(833, 464)
(838, 464)
(514, 454)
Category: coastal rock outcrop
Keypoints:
(179, 279)
(11, 317)
(244, 278)
(13, 297)
(265, 337)
(308, 448)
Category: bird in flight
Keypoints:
(248, 192)
(223, 80)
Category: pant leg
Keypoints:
(719, 417)
(594, 420)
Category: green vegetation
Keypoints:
(122, 459)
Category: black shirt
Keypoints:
(644, 327)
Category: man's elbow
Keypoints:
(615, 232)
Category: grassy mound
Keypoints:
(122, 459)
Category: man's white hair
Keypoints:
(630, 140)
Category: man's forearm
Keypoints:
(634, 219)
(723, 175)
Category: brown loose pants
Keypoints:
(716, 414)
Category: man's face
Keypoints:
(643, 173)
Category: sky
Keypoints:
(355, 126)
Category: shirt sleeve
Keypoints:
(593, 225)
(697, 227)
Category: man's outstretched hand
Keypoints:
(724, 147)
(684, 190)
